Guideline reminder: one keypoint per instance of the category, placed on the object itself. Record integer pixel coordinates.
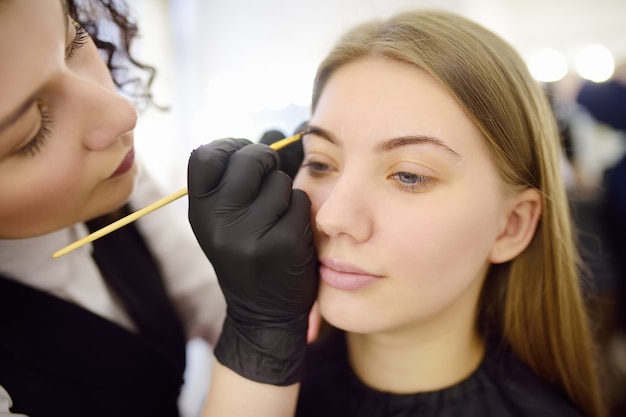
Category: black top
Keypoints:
(59, 359)
(605, 101)
(501, 386)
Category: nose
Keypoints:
(346, 210)
(104, 114)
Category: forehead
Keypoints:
(31, 31)
(378, 97)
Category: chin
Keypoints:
(351, 324)
(114, 194)
(342, 316)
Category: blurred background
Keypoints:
(242, 67)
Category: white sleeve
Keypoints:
(6, 403)
(189, 276)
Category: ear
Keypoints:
(519, 227)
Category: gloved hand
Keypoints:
(255, 230)
(290, 156)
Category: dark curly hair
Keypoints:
(109, 24)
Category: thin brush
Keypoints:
(148, 209)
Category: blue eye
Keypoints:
(316, 167)
(81, 38)
(412, 182)
(33, 147)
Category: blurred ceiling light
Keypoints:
(547, 65)
(595, 63)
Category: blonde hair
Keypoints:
(534, 301)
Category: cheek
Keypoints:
(444, 236)
(35, 203)
(47, 196)
(439, 249)
(432, 249)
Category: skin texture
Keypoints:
(382, 214)
(67, 177)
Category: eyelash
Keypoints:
(34, 146)
(419, 182)
(81, 38)
(315, 168)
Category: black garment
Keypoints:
(500, 387)
(607, 104)
(58, 359)
(605, 101)
(291, 156)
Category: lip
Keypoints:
(125, 165)
(344, 276)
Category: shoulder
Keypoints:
(325, 386)
(502, 386)
(512, 386)
(325, 357)
(6, 403)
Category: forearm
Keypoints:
(232, 395)
(256, 231)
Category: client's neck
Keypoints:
(419, 358)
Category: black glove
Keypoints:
(290, 156)
(255, 230)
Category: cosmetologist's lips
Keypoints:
(125, 165)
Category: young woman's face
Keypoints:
(66, 142)
(406, 203)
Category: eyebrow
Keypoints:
(23, 108)
(387, 145)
